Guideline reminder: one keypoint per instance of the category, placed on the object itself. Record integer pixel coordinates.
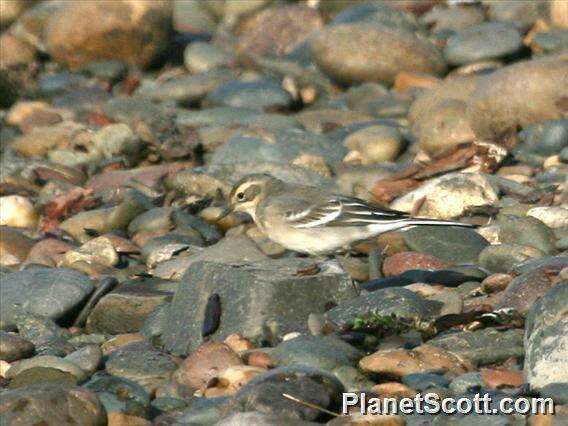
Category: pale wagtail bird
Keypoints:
(310, 220)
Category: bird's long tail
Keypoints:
(437, 222)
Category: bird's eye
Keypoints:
(241, 196)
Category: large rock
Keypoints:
(125, 309)
(264, 393)
(54, 293)
(134, 31)
(482, 347)
(354, 53)
(51, 405)
(546, 338)
(400, 302)
(248, 295)
(499, 103)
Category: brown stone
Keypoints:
(394, 390)
(498, 105)
(116, 418)
(14, 246)
(48, 252)
(496, 282)
(278, 30)
(400, 362)
(119, 341)
(496, 378)
(406, 80)
(358, 419)
(134, 31)
(211, 358)
(15, 51)
(238, 343)
(231, 379)
(401, 262)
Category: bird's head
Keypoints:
(248, 192)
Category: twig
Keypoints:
(309, 404)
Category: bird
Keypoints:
(313, 221)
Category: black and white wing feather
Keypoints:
(343, 211)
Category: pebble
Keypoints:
(503, 257)
(553, 217)
(373, 144)
(402, 362)
(340, 50)
(320, 352)
(203, 365)
(452, 245)
(203, 57)
(535, 233)
(496, 106)
(449, 196)
(14, 347)
(133, 32)
(404, 261)
(14, 246)
(256, 94)
(44, 363)
(17, 211)
(142, 364)
(489, 40)
(57, 403)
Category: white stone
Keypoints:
(448, 196)
(17, 211)
(553, 217)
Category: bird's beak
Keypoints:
(226, 212)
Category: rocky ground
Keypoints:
(123, 126)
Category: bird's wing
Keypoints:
(341, 211)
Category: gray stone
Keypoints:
(203, 57)
(88, 358)
(545, 139)
(490, 40)
(255, 94)
(546, 338)
(557, 391)
(53, 404)
(449, 244)
(121, 395)
(375, 13)
(142, 364)
(397, 301)
(14, 347)
(254, 418)
(285, 146)
(524, 290)
(186, 89)
(51, 292)
(125, 309)
(206, 411)
(264, 393)
(503, 257)
(47, 362)
(483, 347)
(324, 353)
(239, 248)
(534, 233)
(47, 337)
(452, 18)
(424, 381)
(165, 247)
(466, 383)
(249, 295)
(352, 378)
(550, 42)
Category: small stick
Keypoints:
(309, 404)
